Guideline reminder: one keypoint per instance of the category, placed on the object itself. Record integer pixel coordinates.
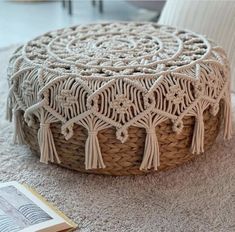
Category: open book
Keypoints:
(24, 210)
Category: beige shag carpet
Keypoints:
(199, 196)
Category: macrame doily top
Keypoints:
(120, 75)
(113, 50)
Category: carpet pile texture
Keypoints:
(198, 196)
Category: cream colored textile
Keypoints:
(215, 19)
(117, 75)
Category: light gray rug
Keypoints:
(199, 196)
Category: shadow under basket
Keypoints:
(125, 158)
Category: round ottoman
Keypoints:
(119, 98)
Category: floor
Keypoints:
(22, 21)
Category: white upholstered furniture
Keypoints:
(215, 19)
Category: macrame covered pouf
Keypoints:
(119, 98)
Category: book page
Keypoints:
(20, 210)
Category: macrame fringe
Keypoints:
(227, 117)
(9, 109)
(46, 144)
(151, 151)
(93, 156)
(9, 106)
(198, 136)
(18, 136)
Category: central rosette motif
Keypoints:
(121, 104)
(115, 46)
(118, 44)
(66, 98)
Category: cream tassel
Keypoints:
(46, 144)
(18, 136)
(227, 117)
(198, 135)
(9, 110)
(93, 156)
(9, 106)
(151, 151)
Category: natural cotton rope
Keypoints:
(117, 75)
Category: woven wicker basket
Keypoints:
(125, 159)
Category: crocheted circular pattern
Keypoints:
(117, 49)
(118, 75)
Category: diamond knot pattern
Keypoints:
(120, 103)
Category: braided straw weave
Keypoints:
(119, 98)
